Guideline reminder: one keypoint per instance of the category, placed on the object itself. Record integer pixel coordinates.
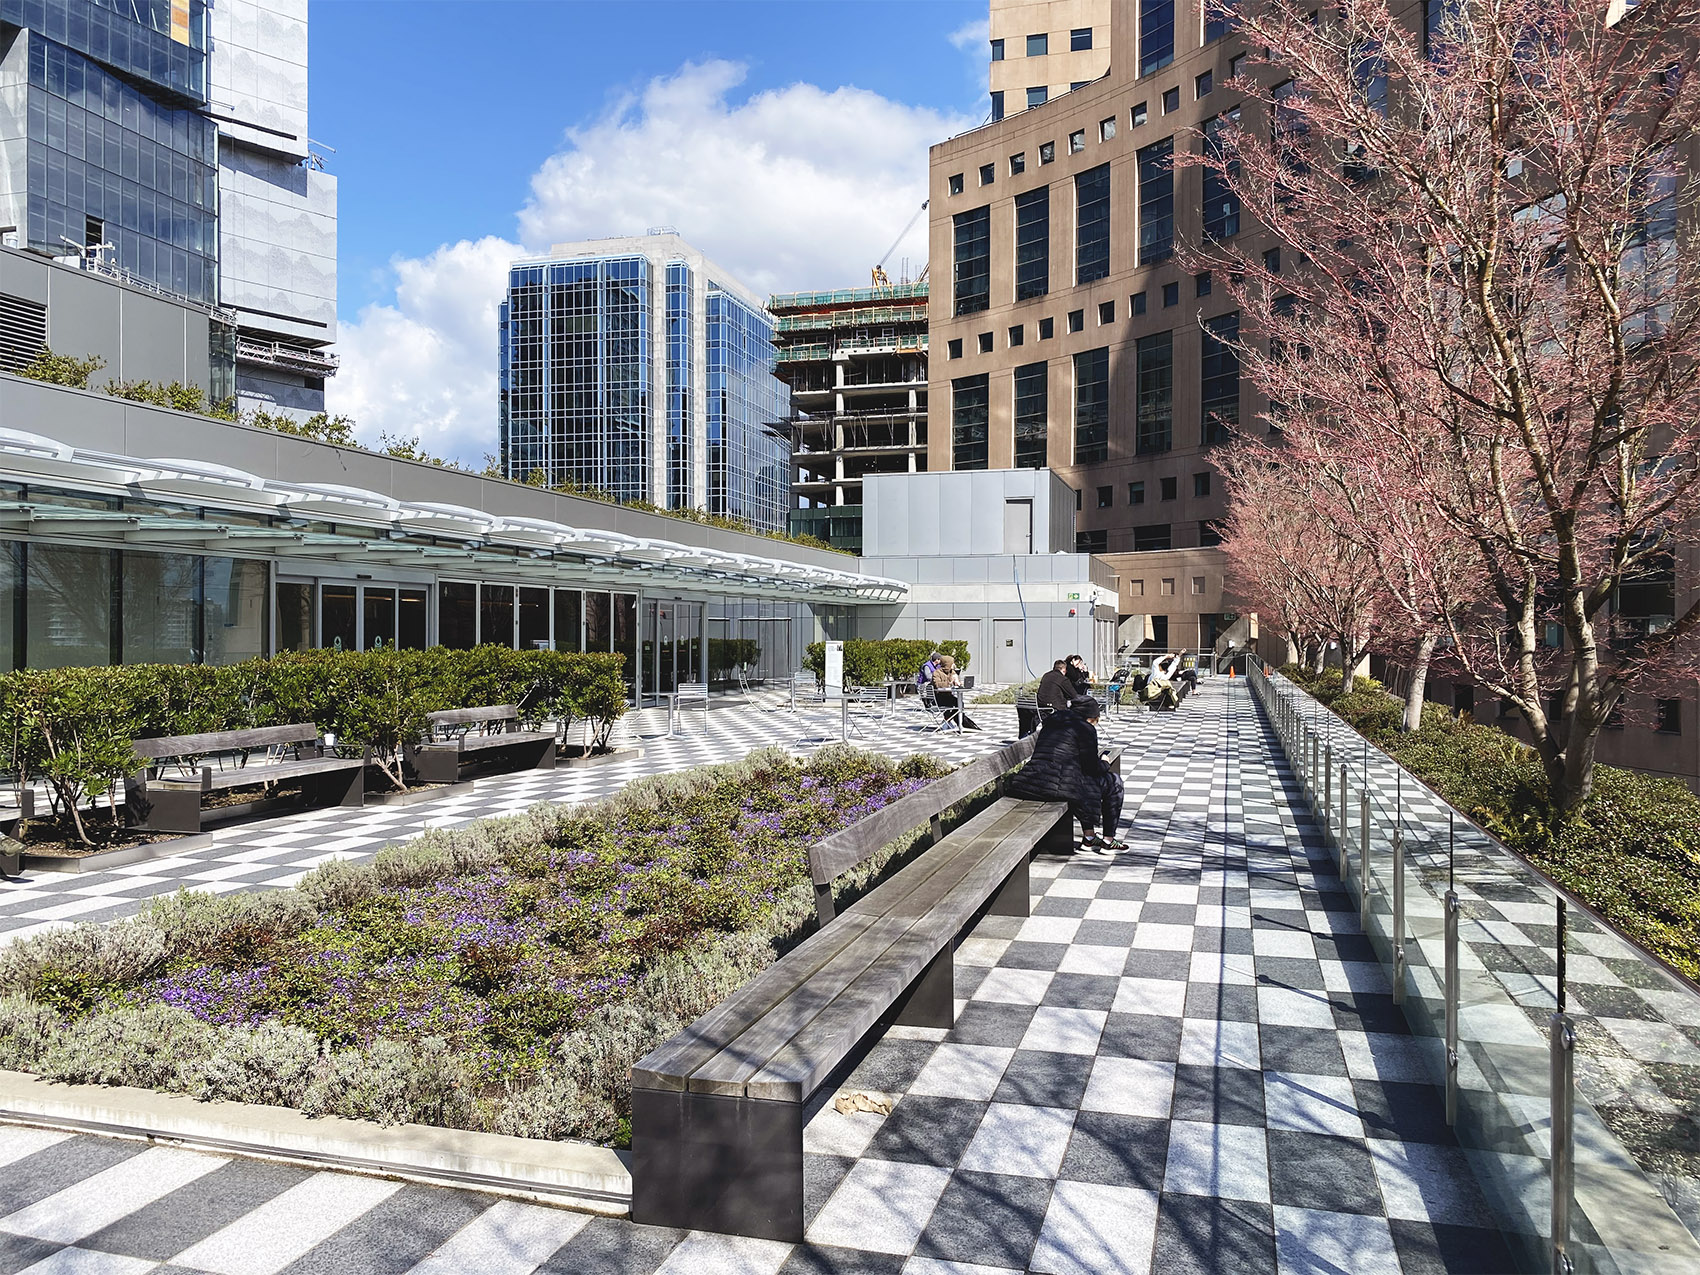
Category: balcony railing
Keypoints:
(294, 358)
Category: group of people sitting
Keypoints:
(939, 672)
(1068, 765)
(1160, 688)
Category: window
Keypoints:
(1156, 201)
(1018, 164)
(973, 245)
(1047, 329)
(1170, 487)
(1076, 320)
(1106, 129)
(1155, 379)
(1078, 84)
(1272, 260)
(1136, 589)
(1209, 532)
(1221, 204)
(988, 174)
(1136, 493)
(1171, 100)
(1168, 587)
(1218, 19)
(1080, 39)
(1171, 294)
(1202, 85)
(1136, 303)
(1017, 336)
(1047, 152)
(985, 342)
(1077, 141)
(1155, 536)
(1438, 15)
(1092, 224)
(1219, 371)
(955, 347)
(1197, 586)
(1201, 484)
(1669, 719)
(1156, 35)
(1106, 497)
(1032, 416)
(1236, 65)
(997, 50)
(1092, 406)
(1201, 284)
(1037, 45)
(1095, 541)
(1038, 95)
(968, 419)
(997, 105)
(1138, 116)
(956, 183)
(1106, 312)
(1032, 243)
(1076, 502)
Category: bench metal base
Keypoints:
(176, 807)
(710, 1162)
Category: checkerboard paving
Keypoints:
(1638, 1027)
(279, 852)
(1185, 1060)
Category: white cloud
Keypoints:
(972, 36)
(791, 188)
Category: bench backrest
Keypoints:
(471, 716)
(219, 741)
(863, 839)
(693, 690)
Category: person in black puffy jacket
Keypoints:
(1067, 766)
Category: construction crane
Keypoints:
(881, 279)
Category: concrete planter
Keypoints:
(575, 1174)
(415, 798)
(125, 855)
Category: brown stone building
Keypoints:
(1063, 332)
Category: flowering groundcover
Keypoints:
(500, 976)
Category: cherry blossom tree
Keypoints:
(1486, 304)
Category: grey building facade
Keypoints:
(636, 367)
(164, 143)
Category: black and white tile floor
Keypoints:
(1185, 1060)
(279, 852)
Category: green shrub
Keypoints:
(868, 663)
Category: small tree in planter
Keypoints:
(68, 727)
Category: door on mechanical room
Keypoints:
(1009, 653)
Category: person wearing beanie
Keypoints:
(1067, 765)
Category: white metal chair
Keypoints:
(691, 693)
(936, 716)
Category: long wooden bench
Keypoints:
(158, 801)
(718, 1111)
(479, 735)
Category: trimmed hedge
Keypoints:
(1632, 853)
(868, 663)
(73, 728)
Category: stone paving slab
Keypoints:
(1186, 1060)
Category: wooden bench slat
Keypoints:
(472, 743)
(461, 716)
(272, 772)
(669, 1064)
(226, 740)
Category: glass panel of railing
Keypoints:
(1635, 1033)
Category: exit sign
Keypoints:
(1074, 597)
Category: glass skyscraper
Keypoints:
(633, 367)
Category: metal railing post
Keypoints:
(1328, 785)
(1451, 998)
(1363, 855)
(1562, 1039)
(1345, 836)
(1398, 916)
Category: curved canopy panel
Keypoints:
(338, 503)
(33, 458)
(431, 519)
(201, 479)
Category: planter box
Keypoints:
(102, 860)
(415, 798)
(574, 755)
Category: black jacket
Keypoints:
(1055, 690)
(1065, 765)
(1078, 678)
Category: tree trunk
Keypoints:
(1348, 664)
(1319, 661)
(1575, 783)
(1414, 693)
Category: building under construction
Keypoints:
(856, 362)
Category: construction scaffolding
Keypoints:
(856, 362)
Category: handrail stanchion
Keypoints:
(1345, 820)
(1561, 1039)
(1327, 785)
(1452, 911)
(1398, 916)
(1363, 855)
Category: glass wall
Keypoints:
(234, 615)
(296, 627)
(969, 422)
(457, 615)
(496, 614)
(377, 618)
(1092, 224)
(681, 459)
(1032, 415)
(1092, 406)
(68, 606)
(1155, 410)
(161, 608)
(1033, 243)
(1156, 201)
(533, 619)
(339, 617)
(972, 236)
(748, 461)
(410, 619)
(569, 620)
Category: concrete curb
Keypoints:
(103, 860)
(575, 1174)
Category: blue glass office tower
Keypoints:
(635, 368)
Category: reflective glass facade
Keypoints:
(109, 163)
(141, 39)
(604, 362)
(749, 458)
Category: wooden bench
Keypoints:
(479, 735)
(718, 1111)
(159, 802)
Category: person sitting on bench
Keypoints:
(947, 689)
(1067, 765)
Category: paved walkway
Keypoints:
(1186, 1060)
(280, 851)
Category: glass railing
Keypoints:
(1570, 1059)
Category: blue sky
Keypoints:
(441, 111)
